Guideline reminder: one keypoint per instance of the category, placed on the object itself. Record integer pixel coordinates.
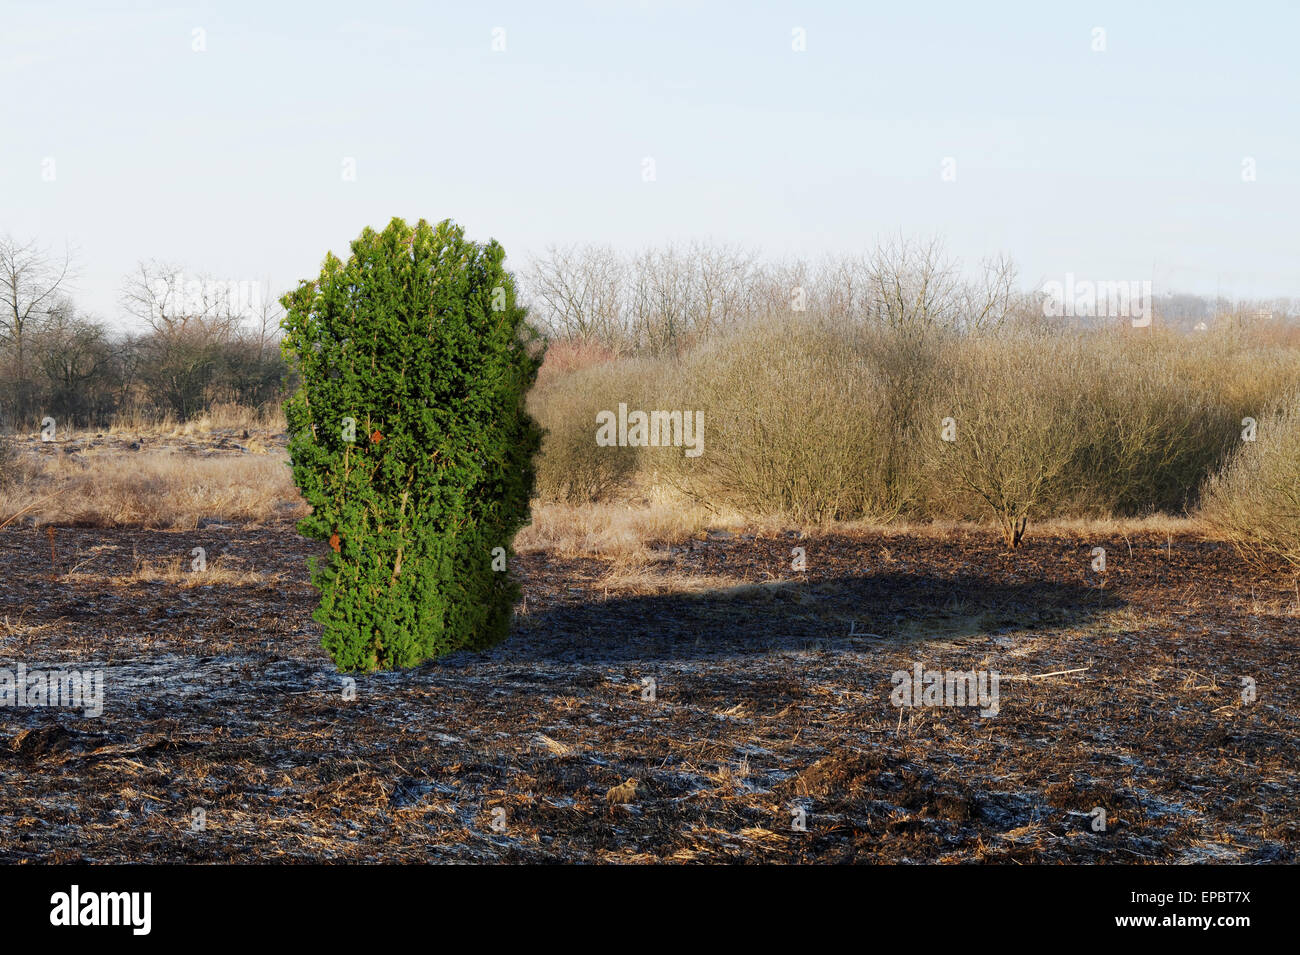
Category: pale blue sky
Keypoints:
(229, 161)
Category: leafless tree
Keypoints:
(782, 288)
(987, 304)
(263, 330)
(172, 305)
(191, 323)
(253, 371)
(723, 286)
(913, 284)
(662, 299)
(579, 292)
(841, 287)
(30, 280)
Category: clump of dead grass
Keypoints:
(609, 529)
(157, 489)
(221, 416)
(180, 572)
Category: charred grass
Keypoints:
(770, 697)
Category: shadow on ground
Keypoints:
(792, 615)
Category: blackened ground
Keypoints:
(771, 701)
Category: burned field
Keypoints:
(750, 702)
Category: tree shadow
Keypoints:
(841, 613)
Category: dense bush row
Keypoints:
(821, 418)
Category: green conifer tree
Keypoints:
(409, 439)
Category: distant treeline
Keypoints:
(663, 301)
(200, 345)
(204, 343)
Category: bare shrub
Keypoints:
(825, 417)
(1254, 501)
(564, 357)
(911, 365)
(572, 468)
(1003, 429)
(792, 423)
(1156, 421)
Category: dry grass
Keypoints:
(221, 416)
(171, 486)
(180, 572)
(1081, 527)
(169, 490)
(159, 489)
(628, 577)
(605, 530)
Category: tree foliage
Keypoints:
(409, 439)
